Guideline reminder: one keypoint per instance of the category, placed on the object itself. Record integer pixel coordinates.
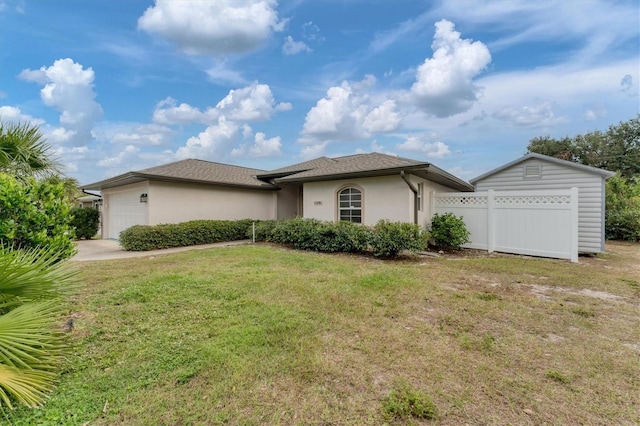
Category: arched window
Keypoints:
(350, 205)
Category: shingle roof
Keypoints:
(300, 167)
(352, 164)
(323, 168)
(206, 171)
(190, 170)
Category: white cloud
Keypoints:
(219, 73)
(435, 149)
(14, 114)
(262, 147)
(213, 27)
(539, 114)
(444, 83)
(68, 88)
(169, 112)
(128, 153)
(383, 118)
(251, 103)
(313, 151)
(215, 140)
(145, 134)
(595, 112)
(348, 112)
(292, 47)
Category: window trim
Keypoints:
(338, 209)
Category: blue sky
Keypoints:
(122, 85)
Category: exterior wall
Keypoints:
(118, 214)
(179, 202)
(424, 213)
(555, 176)
(385, 197)
(288, 201)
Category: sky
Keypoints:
(122, 85)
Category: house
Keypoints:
(540, 172)
(362, 188)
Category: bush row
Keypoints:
(385, 239)
(145, 237)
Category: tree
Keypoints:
(32, 283)
(617, 149)
(24, 152)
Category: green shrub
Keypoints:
(391, 238)
(145, 237)
(622, 218)
(315, 235)
(449, 231)
(404, 403)
(35, 214)
(85, 221)
(263, 231)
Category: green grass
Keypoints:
(256, 335)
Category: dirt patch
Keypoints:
(542, 292)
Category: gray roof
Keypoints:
(192, 171)
(604, 173)
(323, 168)
(374, 164)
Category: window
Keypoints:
(420, 196)
(350, 205)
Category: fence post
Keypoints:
(574, 224)
(490, 222)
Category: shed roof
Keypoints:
(192, 171)
(571, 164)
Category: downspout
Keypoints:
(415, 196)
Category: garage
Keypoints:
(124, 210)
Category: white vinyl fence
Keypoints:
(536, 223)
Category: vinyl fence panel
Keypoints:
(537, 223)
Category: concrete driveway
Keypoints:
(92, 250)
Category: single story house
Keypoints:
(362, 188)
(540, 172)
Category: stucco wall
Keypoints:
(385, 197)
(288, 198)
(174, 202)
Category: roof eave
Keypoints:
(602, 172)
(135, 177)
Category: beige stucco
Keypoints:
(288, 199)
(178, 202)
(385, 197)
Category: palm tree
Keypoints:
(25, 152)
(31, 345)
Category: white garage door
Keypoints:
(125, 210)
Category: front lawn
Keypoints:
(264, 335)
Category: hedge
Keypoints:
(146, 237)
(385, 239)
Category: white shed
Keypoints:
(541, 172)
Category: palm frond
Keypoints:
(34, 274)
(25, 152)
(27, 387)
(30, 350)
